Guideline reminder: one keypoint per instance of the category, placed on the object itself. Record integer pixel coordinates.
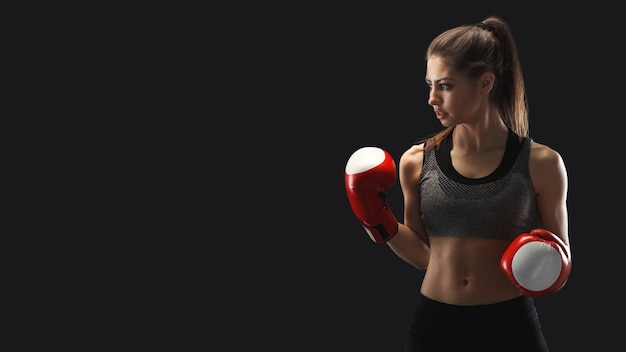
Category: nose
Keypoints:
(433, 97)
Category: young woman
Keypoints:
(485, 212)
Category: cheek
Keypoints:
(461, 106)
(468, 102)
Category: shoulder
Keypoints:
(411, 161)
(546, 163)
(413, 155)
(542, 156)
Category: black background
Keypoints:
(268, 254)
(198, 151)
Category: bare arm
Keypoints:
(411, 242)
(550, 180)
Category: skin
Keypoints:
(466, 271)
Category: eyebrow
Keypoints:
(442, 79)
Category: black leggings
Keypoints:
(511, 325)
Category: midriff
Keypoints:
(466, 271)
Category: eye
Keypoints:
(440, 86)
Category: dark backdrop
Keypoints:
(211, 211)
(301, 88)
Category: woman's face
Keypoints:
(455, 98)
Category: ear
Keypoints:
(486, 82)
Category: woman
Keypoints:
(485, 212)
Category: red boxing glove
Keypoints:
(538, 263)
(369, 171)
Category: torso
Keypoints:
(464, 267)
(466, 271)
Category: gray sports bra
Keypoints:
(499, 206)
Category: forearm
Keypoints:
(410, 247)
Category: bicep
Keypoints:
(410, 170)
(550, 179)
(411, 242)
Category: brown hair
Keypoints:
(487, 46)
